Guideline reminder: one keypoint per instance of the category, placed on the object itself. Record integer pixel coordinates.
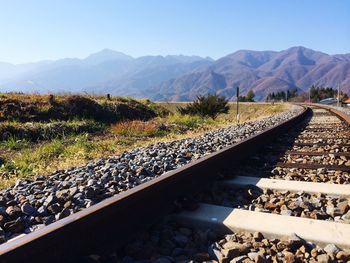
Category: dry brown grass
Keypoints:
(135, 128)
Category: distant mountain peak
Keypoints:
(301, 49)
(107, 55)
(296, 48)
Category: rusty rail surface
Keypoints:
(113, 221)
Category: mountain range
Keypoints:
(178, 77)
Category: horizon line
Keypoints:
(162, 55)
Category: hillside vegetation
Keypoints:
(40, 134)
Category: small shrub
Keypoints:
(206, 106)
(135, 129)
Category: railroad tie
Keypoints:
(285, 185)
(224, 219)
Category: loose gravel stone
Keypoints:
(321, 175)
(300, 204)
(331, 249)
(28, 209)
(158, 244)
(327, 159)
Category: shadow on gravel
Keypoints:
(261, 163)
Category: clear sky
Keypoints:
(32, 30)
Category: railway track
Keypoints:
(300, 189)
(291, 180)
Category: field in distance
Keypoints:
(40, 134)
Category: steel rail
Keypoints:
(113, 221)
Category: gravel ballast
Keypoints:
(299, 204)
(320, 175)
(171, 242)
(334, 153)
(32, 204)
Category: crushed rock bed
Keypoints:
(325, 149)
(32, 204)
(328, 141)
(326, 159)
(170, 242)
(320, 175)
(300, 204)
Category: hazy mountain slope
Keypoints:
(107, 71)
(6, 69)
(339, 74)
(9, 71)
(72, 78)
(137, 80)
(262, 71)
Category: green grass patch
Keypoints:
(38, 131)
(24, 164)
(14, 143)
(189, 121)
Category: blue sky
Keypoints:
(32, 30)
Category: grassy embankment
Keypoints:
(41, 134)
